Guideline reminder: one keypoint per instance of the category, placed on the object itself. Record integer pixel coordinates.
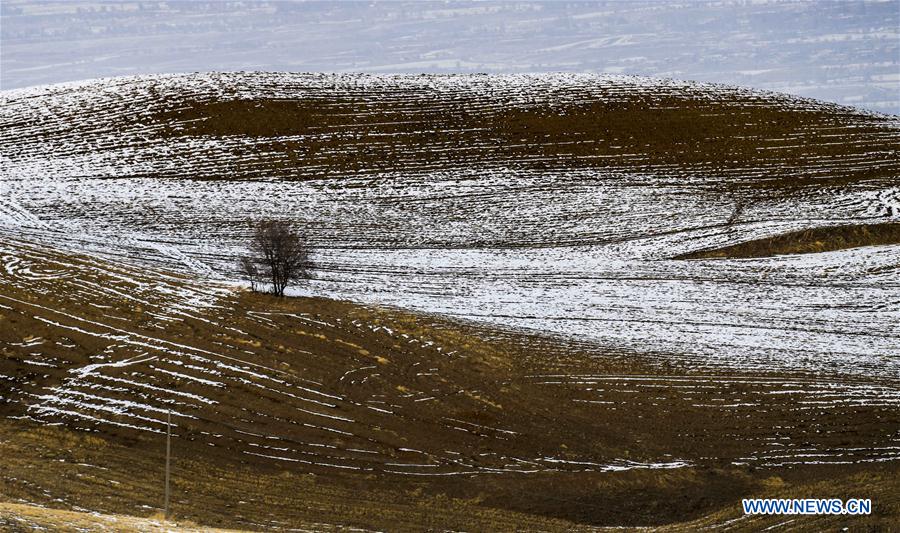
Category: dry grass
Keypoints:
(23, 517)
(808, 241)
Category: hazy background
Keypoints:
(841, 51)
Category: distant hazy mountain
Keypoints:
(845, 52)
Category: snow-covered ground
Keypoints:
(586, 253)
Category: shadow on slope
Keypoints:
(808, 241)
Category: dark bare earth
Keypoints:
(522, 427)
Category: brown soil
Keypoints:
(488, 402)
(765, 142)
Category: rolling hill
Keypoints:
(539, 302)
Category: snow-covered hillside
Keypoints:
(528, 201)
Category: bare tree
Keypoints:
(278, 256)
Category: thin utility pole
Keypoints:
(168, 456)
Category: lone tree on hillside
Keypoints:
(278, 256)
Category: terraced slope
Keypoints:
(299, 411)
(315, 126)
